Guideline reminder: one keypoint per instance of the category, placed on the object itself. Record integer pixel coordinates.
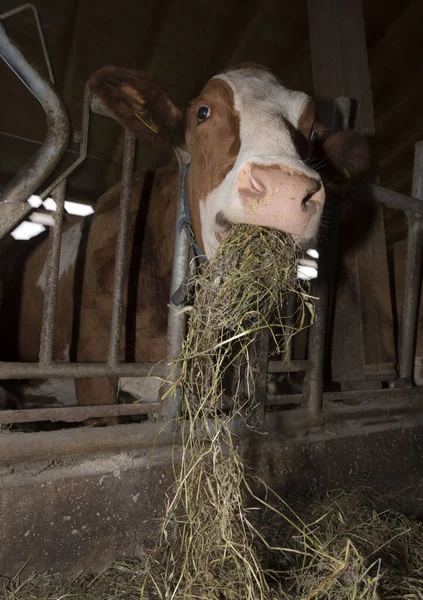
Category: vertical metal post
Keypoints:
(177, 320)
(52, 273)
(322, 289)
(412, 282)
(339, 118)
(121, 246)
(289, 325)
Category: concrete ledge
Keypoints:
(81, 513)
(18, 447)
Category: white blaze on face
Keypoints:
(268, 115)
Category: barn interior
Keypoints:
(310, 47)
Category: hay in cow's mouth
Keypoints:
(208, 542)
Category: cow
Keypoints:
(250, 143)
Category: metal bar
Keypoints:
(51, 283)
(77, 414)
(384, 410)
(19, 9)
(177, 319)
(389, 197)
(288, 327)
(323, 289)
(313, 383)
(10, 215)
(44, 161)
(122, 246)
(412, 281)
(14, 370)
(350, 396)
(22, 447)
(82, 148)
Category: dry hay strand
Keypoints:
(206, 548)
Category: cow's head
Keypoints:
(250, 141)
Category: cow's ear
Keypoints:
(138, 103)
(349, 153)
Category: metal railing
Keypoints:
(310, 409)
(16, 193)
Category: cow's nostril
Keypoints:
(257, 185)
(308, 197)
(311, 192)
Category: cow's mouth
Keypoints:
(220, 235)
(303, 241)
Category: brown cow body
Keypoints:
(247, 137)
(89, 300)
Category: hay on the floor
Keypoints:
(345, 546)
(341, 546)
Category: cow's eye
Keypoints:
(203, 113)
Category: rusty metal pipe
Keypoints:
(122, 246)
(385, 407)
(323, 289)
(41, 165)
(313, 383)
(388, 197)
(22, 447)
(177, 319)
(412, 281)
(355, 397)
(15, 370)
(51, 281)
(77, 414)
(85, 125)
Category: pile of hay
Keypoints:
(342, 546)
